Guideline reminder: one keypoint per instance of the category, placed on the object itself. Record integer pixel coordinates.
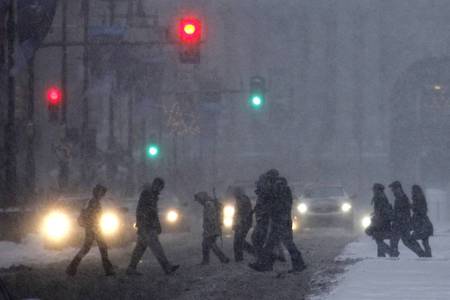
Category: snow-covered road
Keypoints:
(47, 280)
(404, 278)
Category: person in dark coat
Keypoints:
(149, 228)
(90, 221)
(264, 193)
(243, 220)
(281, 231)
(382, 216)
(421, 223)
(401, 225)
(211, 227)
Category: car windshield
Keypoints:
(325, 192)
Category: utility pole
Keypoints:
(10, 128)
(30, 179)
(63, 162)
(86, 139)
(111, 163)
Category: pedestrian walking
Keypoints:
(380, 227)
(401, 225)
(149, 228)
(421, 223)
(211, 227)
(89, 219)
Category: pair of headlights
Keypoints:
(303, 208)
(228, 216)
(57, 225)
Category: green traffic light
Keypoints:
(152, 151)
(256, 101)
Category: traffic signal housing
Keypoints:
(54, 98)
(257, 96)
(190, 32)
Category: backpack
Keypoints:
(83, 217)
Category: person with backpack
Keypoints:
(382, 216)
(149, 228)
(421, 223)
(89, 219)
(212, 230)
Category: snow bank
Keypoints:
(404, 278)
(31, 252)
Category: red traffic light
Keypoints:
(190, 30)
(54, 96)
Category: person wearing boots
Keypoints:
(243, 220)
(211, 227)
(421, 223)
(382, 216)
(281, 218)
(149, 228)
(401, 225)
(89, 219)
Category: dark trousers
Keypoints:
(240, 243)
(407, 240)
(90, 237)
(383, 248)
(209, 243)
(284, 235)
(149, 238)
(259, 236)
(426, 246)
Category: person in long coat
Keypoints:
(382, 216)
(401, 225)
(421, 223)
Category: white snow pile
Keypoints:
(404, 278)
(31, 252)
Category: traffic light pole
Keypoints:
(63, 174)
(30, 178)
(10, 128)
(85, 168)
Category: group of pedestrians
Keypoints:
(273, 227)
(405, 221)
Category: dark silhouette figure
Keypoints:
(149, 228)
(265, 196)
(89, 219)
(401, 225)
(281, 231)
(211, 227)
(243, 220)
(380, 227)
(421, 223)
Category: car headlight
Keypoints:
(172, 216)
(295, 224)
(366, 221)
(109, 223)
(56, 225)
(228, 211)
(228, 215)
(302, 208)
(346, 207)
(228, 222)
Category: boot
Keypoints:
(225, 260)
(133, 272)
(260, 267)
(170, 270)
(298, 265)
(109, 268)
(71, 269)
